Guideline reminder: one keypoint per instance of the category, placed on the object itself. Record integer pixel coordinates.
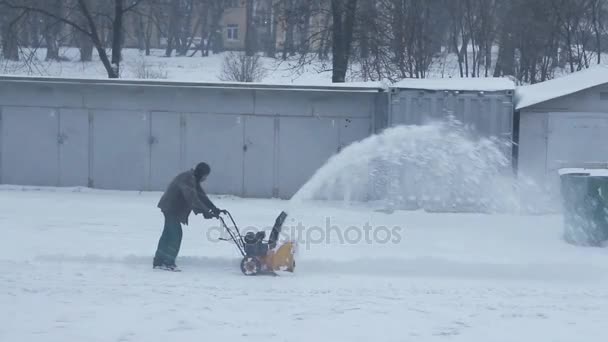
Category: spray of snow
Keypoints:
(442, 166)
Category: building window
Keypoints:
(232, 32)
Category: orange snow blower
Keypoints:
(262, 256)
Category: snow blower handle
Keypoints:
(235, 235)
(227, 213)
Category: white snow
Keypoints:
(530, 95)
(136, 65)
(442, 75)
(455, 84)
(350, 86)
(439, 166)
(76, 266)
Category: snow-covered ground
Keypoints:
(136, 65)
(76, 266)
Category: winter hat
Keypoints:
(201, 169)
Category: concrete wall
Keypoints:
(261, 141)
(564, 132)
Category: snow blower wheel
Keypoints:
(250, 266)
(261, 256)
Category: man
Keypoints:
(183, 196)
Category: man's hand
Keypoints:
(208, 214)
(217, 212)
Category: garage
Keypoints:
(562, 123)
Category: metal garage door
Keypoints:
(576, 139)
(165, 149)
(73, 147)
(121, 158)
(259, 167)
(311, 142)
(34, 131)
(218, 140)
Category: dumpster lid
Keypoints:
(584, 172)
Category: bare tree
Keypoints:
(343, 14)
(505, 61)
(289, 19)
(250, 32)
(90, 28)
(183, 25)
(52, 28)
(215, 35)
(210, 14)
(485, 35)
(270, 22)
(174, 17)
(365, 27)
(400, 38)
(9, 33)
(304, 7)
(147, 19)
(598, 8)
(538, 36)
(569, 15)
(324, 35)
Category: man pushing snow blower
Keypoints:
(183, 196)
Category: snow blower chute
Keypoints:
(262, 256)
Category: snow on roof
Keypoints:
(372, 85)
(462, 84)
(530, 95)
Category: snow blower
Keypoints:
(262, 256)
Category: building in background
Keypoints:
(563, 124)
(222, 24)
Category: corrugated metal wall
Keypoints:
(488, 113)
(261, 141)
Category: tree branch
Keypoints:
(47, 13)
(132, 6)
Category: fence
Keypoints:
(260, 140)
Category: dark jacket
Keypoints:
(184, 195)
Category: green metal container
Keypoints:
(585, 203)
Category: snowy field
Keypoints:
(136, 65)
(76, 266)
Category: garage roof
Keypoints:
(457, 84)
(530, 95)
(590, 172)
